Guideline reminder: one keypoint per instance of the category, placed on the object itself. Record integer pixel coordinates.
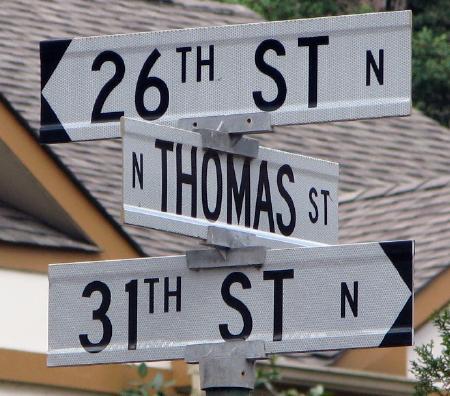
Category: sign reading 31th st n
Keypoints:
(332, 297)
(300, 71)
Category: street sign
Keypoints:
(299, 71)
(302, 299)
(172, 184)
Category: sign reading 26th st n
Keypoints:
(300, 71)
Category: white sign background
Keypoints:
(311, 303)
(342, 94)
(142, 206)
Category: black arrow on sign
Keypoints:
(401, 255)
(51, 53)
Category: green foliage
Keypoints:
(432, 14)
(274, 10)
(266, 377)
(143, 388)
(433, 373)
(431, 74)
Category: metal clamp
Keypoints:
(225, 133)
(231, 249)
(228, 364)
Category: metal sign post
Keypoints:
(227, 368)
(206, 179)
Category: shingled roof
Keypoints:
(21, 228)
(373, 152)
(392, 170)
(418, 210)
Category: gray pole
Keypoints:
(228, 368)
(227, 375)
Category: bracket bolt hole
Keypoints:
(194, 124)
(249, 120)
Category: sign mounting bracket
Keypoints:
(230, 249)
(226, 133)
(228, 364)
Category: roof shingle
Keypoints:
(21, 228)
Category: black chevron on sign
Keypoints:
(51, 53)
(401, 332)
(51, 130)
(401, 254)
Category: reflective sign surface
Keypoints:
(171, 183)
(299, 71)
(303, 299)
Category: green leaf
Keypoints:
(142, 370)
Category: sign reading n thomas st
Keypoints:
(173, 184)
(299, 71)
(302, 299)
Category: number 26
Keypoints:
(144, 82)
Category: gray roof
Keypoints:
(21, 228)
(418, 210)
(373, 152)
(392, 171)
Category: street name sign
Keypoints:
(301, 299)
(299, 71)
(172, 183)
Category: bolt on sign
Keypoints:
(301, 299)
(299, 71)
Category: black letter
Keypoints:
(174, 293)
(139, 169)
(164, 146)
(214, 215)
(184, 51)
(145, 82)
(314, 218)
(132, 289)
(238, 194)
(238, 305)
(97, 114)
(325, 194)
(271, 72)
(263, 186)
(186, 178)
(352, 301)
(312, 43)
(286, 229)
(151, 297)
(205, 62)
(370, 62)
(98, 314)
(278, 277)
